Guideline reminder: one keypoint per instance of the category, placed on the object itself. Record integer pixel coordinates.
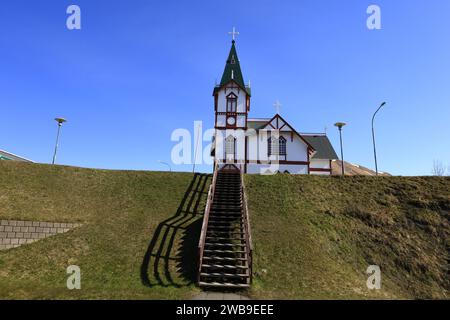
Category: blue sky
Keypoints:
(137, 70)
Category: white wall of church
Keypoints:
(320, 164)
(221, 121)
(296, 149)
(319, 173)
(220, 138)
(222, 105)
(222, 98)
(262, 168)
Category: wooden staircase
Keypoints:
(225, 250)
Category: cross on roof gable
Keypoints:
(278, 123)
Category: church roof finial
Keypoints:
(233, 34)
(277, 106)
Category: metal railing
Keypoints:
(209, 202)
(247, 229)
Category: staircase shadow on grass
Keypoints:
(187, 223)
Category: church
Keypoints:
(261, 146)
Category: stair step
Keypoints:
(223, 285)
(229, 228)
(227, 196)
(227, 202)
(228, 182)
(224, 258)
(225, 245)
(222, 251)
(225, 275)
(225, 217)
(225, 213)
(232, 208)
(224, 232)
(234, 193)
(220, 202)
(227, 222)
(223, 238)
(219, 215)
(223, 266)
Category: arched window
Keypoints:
(272, 146)
(276, 147)
(282, 146)
(230, 147)
(231, 102)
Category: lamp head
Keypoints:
(382, 105)
(60, 120)
(340, 125)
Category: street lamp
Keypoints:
(60, 122)
(162, 162)
(340, 125)
(373, 138)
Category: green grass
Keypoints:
(313, 236)
(120, 212)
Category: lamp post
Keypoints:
(162, 162)
(340, 125)
(60, 122)
(373, 138)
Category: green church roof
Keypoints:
(233, 71)
(322, 145)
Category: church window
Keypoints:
(231, 102)
(276, 147)
(230, 146)
(282, 146)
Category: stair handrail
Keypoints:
(247, 229)
(209, 201)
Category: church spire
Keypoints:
(232, 68)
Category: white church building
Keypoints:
(261, 146)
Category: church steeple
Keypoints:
(232, 69)
(231, 96)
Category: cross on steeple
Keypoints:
(233, 33)
(277, 106)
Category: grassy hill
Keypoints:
(313, 236)
(316, 236)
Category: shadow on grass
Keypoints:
(177, 269)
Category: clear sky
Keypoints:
(137, 70)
